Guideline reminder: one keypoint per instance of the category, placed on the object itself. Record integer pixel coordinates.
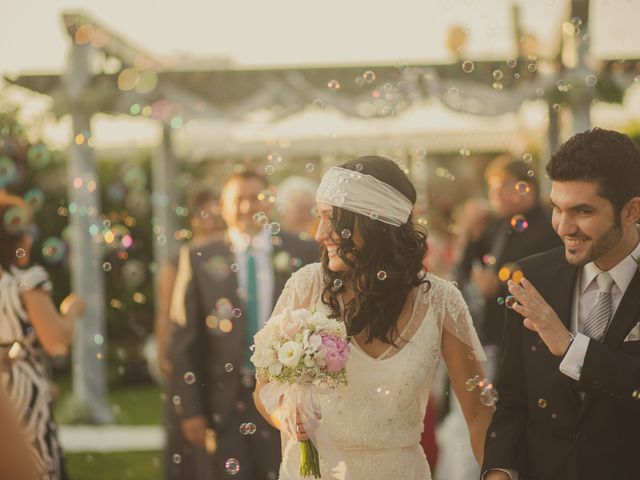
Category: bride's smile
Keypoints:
(326, 237)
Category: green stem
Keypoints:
(309, 460)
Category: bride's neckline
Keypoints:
(385, 355)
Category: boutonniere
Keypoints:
(282, 262)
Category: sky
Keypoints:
(305, 32)
(285, 32)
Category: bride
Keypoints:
(401, 320)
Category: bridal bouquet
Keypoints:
(300, 355)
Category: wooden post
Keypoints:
(163, 200)
(89, 403)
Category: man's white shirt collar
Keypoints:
(259, 243)
(622, 273)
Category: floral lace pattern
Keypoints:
(358, 192)
(377, 420)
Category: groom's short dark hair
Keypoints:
(607, 157)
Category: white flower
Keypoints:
(289, 354)
(264, 357)
(301, 315)
(309, 361)
(275, 368)
(318, 322)
(312, 343)
(274, 321)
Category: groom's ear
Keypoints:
(630, 214)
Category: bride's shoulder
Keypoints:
(437, 287)
(307, 275)
(436, 282)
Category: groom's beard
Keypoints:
(601, 246)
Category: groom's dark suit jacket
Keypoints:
(542, 427)
(204, 347)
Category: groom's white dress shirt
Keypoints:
(584, 299)
(262, 249)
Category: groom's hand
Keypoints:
(194, 430)
(540, 317)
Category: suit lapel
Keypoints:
(627, 314)
(561, 300)
(233, 282)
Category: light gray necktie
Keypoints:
(596, 323)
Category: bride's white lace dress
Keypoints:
(377, 420)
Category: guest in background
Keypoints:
(295, 202)
(231, 290)
(519, 227)
(206, 225)
(31, 327)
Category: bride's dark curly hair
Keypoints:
(387, 267)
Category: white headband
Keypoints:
(364, 194)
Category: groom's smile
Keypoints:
(586, 222)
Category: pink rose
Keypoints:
(336, 352)
(292, 323)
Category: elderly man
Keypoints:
(295, 201)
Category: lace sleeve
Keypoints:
(457, 320)
(299, 289)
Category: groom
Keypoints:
(569, 379)
(231, 292)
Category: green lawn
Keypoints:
(133, 405)
(114, 466)
(137, 406)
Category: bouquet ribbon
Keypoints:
(283, 399)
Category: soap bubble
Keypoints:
(369, 76)
(519, 223)
(522, 188)
(489, 395)
(248, 428)
(232, 466)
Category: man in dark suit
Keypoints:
(231, 292)
(569, 379)
(520, 228)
